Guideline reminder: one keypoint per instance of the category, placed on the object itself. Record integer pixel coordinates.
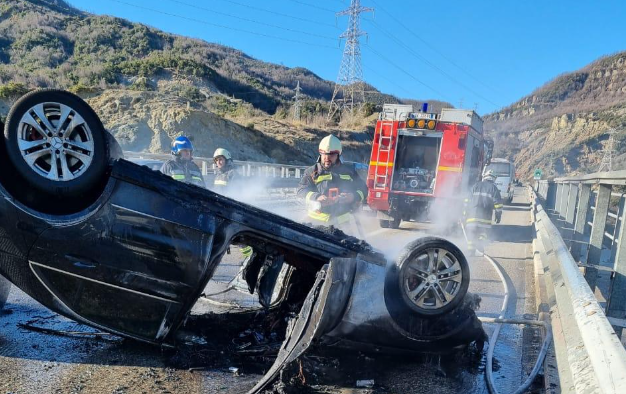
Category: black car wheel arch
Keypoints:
(57, 152)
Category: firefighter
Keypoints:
(330, 188)
(226, 173)
(182, 167)
(479, 208)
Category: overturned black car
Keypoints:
(126, 249)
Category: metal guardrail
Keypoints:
(584, 204)
(279, 175)
(589, 355)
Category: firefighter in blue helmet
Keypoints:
(330, 188)
(182, 167)
(479, 208)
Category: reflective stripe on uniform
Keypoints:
(360, 193)
(345, 177)
(195, 178)
(326, 217)
(309, 195)
(477, 220)
(246, 250)
(220, 183)
(322, 178)
(178, 177)
(497, 206)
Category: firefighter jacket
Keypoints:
(183, 170)
(318, 181)
(484, 199)
(225, 178)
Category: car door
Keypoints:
(135, 266)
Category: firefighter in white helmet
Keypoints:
(225, 173)
(331, 189)
(479, 208)
(225, 183)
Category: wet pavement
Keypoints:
(33, 360)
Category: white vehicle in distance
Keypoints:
(505, 175)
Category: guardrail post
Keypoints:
(581, 220)
(557, 201)
(563, 202)
(551, 195)
(571, 204)
(616, 303)
(597, 234)
(205, 169)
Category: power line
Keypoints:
(434, 49)
(252, 20)
(248, 6)
(313, 6)
(387, 79)
(406, 72)
(223, 26)
(432, 65)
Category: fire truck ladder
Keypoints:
(383, 148)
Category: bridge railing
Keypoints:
(591, 212)
(280, 176)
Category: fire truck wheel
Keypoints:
(431, 276)
(395, 223)
(383, 223)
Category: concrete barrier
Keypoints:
(589, 355)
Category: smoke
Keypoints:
(261, 192)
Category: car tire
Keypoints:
(56, 143)
(5, 287)
(429, 278)
(383, 223)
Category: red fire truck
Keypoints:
(422, 163)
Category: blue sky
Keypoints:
(487, 53)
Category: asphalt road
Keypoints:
(42, 362)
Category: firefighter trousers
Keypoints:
(478, 235)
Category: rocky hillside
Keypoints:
(562, 126)
(150, 86)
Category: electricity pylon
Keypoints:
(350, 78)
(297, 105)
(609, 152)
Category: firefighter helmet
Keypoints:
(181, 143)
(489, 175)
(222, 152)
(330, 144)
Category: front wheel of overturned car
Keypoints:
(430, 277)
(56, 143)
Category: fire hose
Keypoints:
(503, 320)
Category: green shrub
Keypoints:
(13, 89)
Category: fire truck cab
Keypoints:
(422, 164)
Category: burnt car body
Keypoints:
(132, 253)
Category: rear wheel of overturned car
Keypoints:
(56, 143)
(431, 277)
(384, 223)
